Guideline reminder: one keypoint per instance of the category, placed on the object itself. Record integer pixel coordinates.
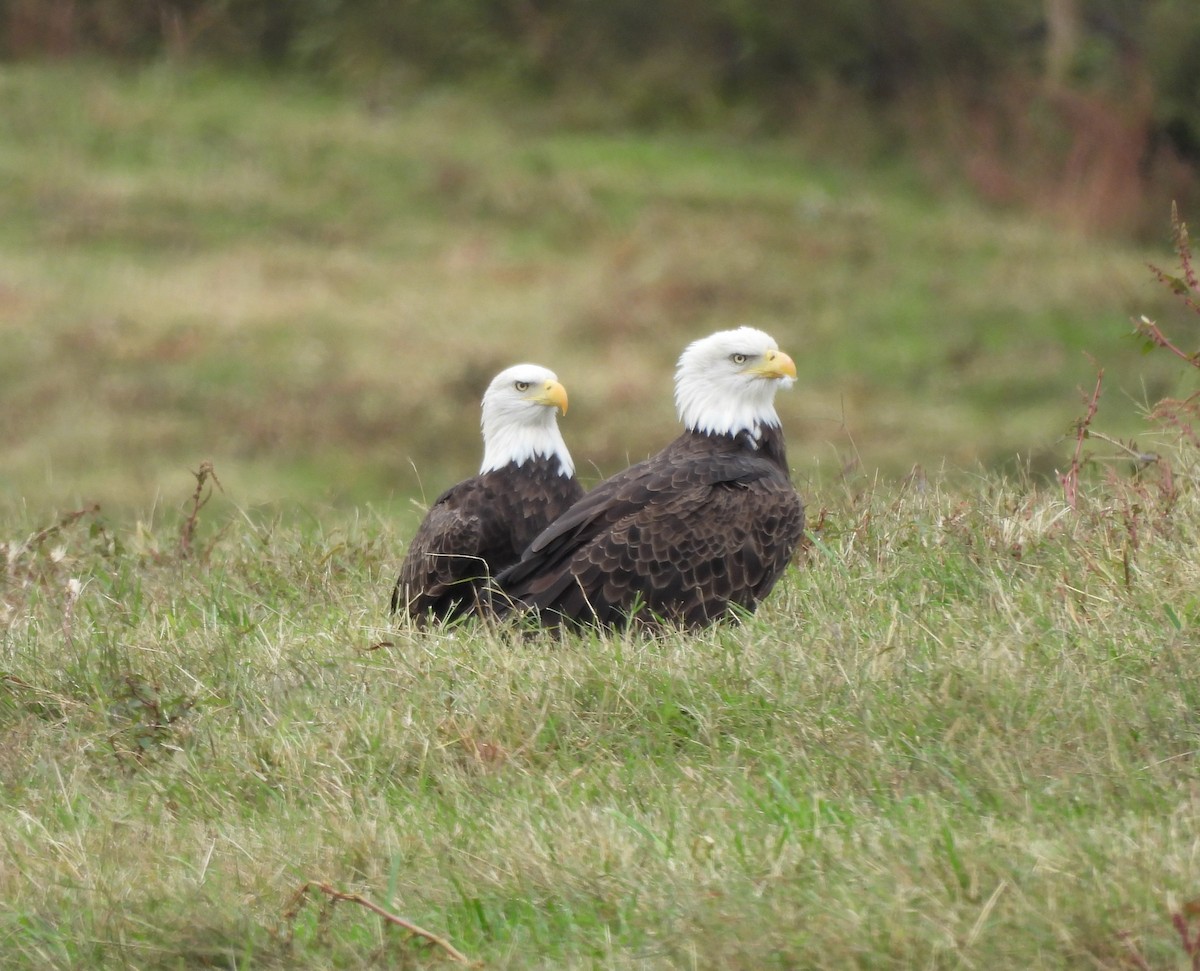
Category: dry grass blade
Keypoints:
(1133, 955)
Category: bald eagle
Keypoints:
(476, 528)
(693, 534)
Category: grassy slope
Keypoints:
(961, 735)
(311, 293)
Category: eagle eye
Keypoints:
(521, 386)
(738, 359)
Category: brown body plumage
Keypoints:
(699, 532)
(704, 527)
(473, 531)
(478, 527)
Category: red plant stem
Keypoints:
(1070, 478)
(1151, 330)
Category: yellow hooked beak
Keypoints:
(776, 364)
(551, 393)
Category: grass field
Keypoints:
(311, 292)
(962, 733)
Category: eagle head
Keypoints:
(725, 383)
(520, 418)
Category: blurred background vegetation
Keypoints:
(672, 61)
(298, 238)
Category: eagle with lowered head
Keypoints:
(475, 529)
(692, 535)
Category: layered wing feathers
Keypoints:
(473, 531)
(705, 525)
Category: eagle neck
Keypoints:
(518, 444)
(769, 443)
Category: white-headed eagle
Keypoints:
(475, 529)
(694, 534)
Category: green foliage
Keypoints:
(1172, 35)
(660, 61)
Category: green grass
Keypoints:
(961, 733)
(311, 291)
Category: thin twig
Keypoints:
(1151, 331)
(199, 500)
(1183, 248)
(1070, 478)
(69, 519)
(391, 918)
(1183, 287)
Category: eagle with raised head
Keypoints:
(697, 533)
(475, 529)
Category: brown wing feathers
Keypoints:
(707, 524)
(473, 531)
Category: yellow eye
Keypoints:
(521, 386)
(738, 359)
